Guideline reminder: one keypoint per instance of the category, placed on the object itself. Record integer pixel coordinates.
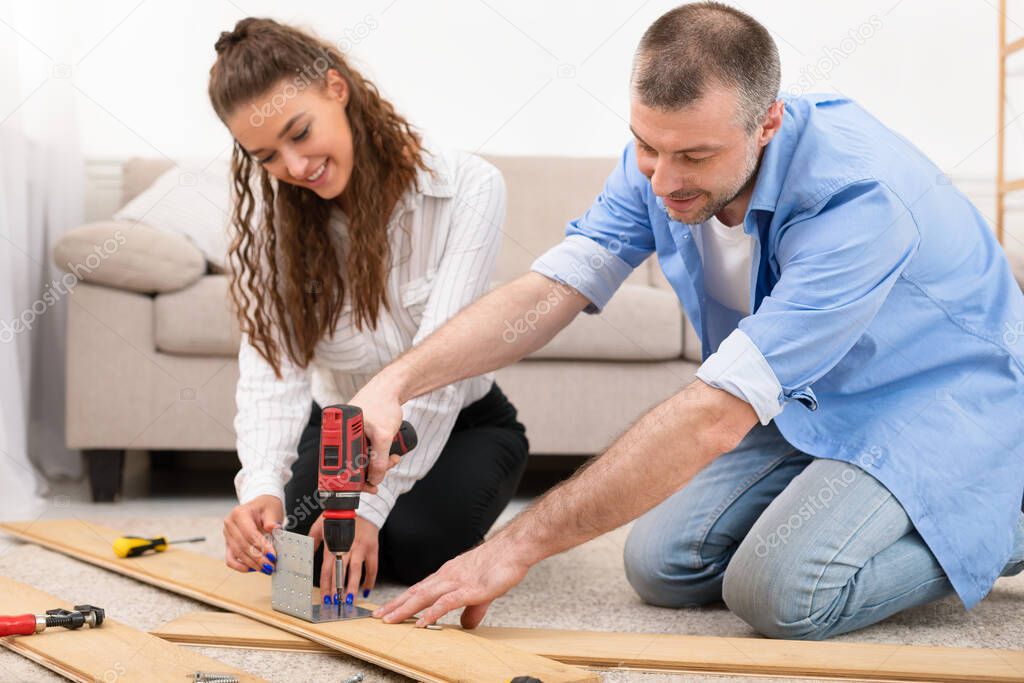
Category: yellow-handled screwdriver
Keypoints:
(133, 546)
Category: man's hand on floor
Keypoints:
(471, 580)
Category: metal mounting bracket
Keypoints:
(292, 582)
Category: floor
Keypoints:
(581, 589)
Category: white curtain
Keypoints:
(41, 197)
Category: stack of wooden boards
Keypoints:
(494, 654)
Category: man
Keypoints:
(852, 445)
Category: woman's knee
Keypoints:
(410, 555)
(511, 450)
(429, 526)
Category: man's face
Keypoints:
(699, 158)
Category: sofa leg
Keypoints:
(105, 472)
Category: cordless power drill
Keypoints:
(344, 460)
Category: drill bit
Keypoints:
(339, 578)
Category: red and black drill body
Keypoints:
(344, 459)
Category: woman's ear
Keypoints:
(337, 87)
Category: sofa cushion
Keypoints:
(132, 256)
(190, 199)
(197, 320)
(544, 194)
(138, 173)
(640, 324)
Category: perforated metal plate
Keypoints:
(292, 582)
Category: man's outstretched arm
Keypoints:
(489, 334)
(647, 464)
(496, 330)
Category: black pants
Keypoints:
(445, 513)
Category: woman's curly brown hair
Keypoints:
(286, 280)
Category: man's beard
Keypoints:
(722, 199)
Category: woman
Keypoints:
(356, 244)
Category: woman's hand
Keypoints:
(247, 534)
(361, 560)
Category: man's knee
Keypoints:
(666, 578)
(771, 596)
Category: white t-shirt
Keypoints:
(725, 253)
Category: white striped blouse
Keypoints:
(445, 235)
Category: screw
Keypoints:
(208, 677)
(353, 679)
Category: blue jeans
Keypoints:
(798, 547)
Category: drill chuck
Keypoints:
(339, 534)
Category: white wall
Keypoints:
(537, 77)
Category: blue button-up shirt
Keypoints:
(887, 328)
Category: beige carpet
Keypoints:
(582, 589)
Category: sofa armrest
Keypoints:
(123, 393)
(108, 361)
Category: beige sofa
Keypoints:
(156, 368)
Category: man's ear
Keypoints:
(337, 87)
(772, 122)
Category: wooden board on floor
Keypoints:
(796, 658)
(448, 654)
(670, 653)
(227, 629)
(112, 652)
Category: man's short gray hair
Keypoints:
(695, 46)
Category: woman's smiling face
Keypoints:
(300, 135)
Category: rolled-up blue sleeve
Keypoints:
(604, 245)
(837, 264)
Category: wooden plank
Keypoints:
(227, 629)
(859, 661)
(673, 653)
(423, 654)
(112, 652)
